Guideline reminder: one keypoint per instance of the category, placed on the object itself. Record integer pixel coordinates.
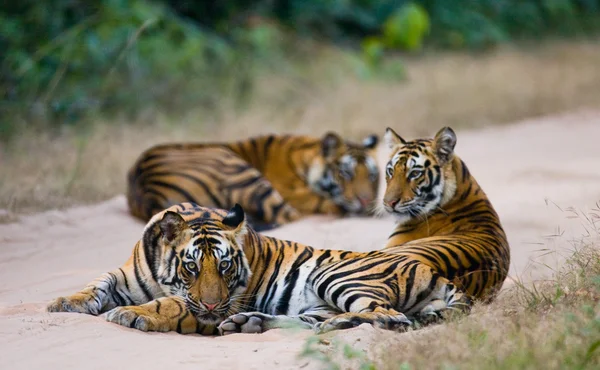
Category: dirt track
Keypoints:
(530, 171)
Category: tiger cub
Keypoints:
(277, 179)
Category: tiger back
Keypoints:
(443, 217)
(277, 179)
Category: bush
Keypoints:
(458, 23)
(64, 59)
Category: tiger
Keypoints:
(276, 178)
(443, 217)
(206, 271)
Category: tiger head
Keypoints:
(346, 173)
(419, 174)
(201, 258)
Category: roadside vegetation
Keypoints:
(550, 324)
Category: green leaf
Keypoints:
(406, 27)
(373, 49)
(590, 352)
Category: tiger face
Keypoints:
(203, 262)
(419, 174)
(346, 173)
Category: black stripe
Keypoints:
(150, 251)
(266, 148)
(184, 193)
(125, 280)
(290, 281)
(409, 284)
(271, 284)
(180, 321)
(138, 277)
(334, 277)
(245, 182)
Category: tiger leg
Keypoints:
(102, 294)
(452, 300)
(257, 322)
(420, 291)
(258, 197)
(380, 317)
(162, 314)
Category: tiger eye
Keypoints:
(415, 174)
(389, 171)
(224, 265)
(191, 266)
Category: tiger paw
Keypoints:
(243, 323)
(422, 319)
(79, 303)
(350, 320)
(137, 318)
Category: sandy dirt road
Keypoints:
(530, 170)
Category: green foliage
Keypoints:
(484, 23)
(406, 27)
(457, 23)
(373, 50)
(62, 60)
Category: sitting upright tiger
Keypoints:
(277, 179)
(443, 217)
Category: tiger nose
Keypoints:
(364, 201)
(210, 306)
(392, 203)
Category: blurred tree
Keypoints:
(63, 59)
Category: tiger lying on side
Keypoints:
(444, 219)
(201, 270)
(276, 179)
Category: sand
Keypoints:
(532, 171)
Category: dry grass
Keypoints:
(43, 170)
(552, 324)
(561, 331)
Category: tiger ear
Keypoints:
(234, 217)
(235, 220)
(330, 144)
(171, 226)
(370, 141)
(392, 139)
(444, 143)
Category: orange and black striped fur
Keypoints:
(277, 179)
(201, 270)
(444, 219)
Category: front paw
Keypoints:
(137, 318)
(80, 303)
(351, 320)
(242, 323)
(336, 323)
